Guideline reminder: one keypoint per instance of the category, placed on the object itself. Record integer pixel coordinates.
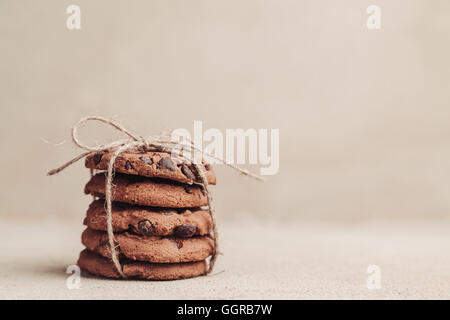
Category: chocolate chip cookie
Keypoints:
(98, 265)
(149, 221)
(151, 164)
(148, 192)
(150, 249)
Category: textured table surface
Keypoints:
(259, 261)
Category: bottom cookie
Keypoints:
(98, 265)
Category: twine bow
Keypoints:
(138, 143)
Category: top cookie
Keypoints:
(151, 164)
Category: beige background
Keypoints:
(363, 115)
(364, 151)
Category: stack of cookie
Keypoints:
(160, 228)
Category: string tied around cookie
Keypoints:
(158, 143)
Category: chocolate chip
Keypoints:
(185, 231)
(128, 165)
(187, 172)
(146, 228)
(133, 228)
(207, 166)
(187, 189)
(147, 160)
(178, 242)
(166, 163)
(97, 158)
